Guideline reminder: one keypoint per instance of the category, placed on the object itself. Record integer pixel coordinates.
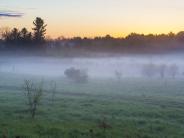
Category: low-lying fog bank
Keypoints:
(164, 66)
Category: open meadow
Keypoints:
(130, 108)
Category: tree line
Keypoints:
(134, 42)
(23, 36)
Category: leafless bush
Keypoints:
(104, 125)
(33, 94)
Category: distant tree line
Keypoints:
(23, 36)
(132, 43)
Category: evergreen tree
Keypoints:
(39, 30)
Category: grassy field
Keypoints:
(132, 108)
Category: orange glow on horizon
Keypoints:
(99, 18)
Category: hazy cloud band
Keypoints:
(10, 14)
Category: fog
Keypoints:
(102, 67)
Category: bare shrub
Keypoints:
(33, 94)
(104, 125)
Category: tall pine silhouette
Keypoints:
(39, 30)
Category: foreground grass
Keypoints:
(132, 108)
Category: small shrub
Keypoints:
(76, 75)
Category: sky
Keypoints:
(91, 18)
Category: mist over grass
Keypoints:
(97, 67)
(141, 108)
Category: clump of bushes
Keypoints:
(76, 75)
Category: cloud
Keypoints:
(10, 14)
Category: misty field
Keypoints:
(121, 97)
(131, 108)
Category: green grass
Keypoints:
(134, 108)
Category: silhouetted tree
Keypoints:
(25, 36)
(108, 37)
(39, 30)
(14, 36)
(24, 33)
(5, 35)
(4, 32)
(171, 35)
